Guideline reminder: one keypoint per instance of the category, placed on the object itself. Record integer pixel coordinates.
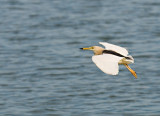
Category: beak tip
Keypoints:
(81, 48)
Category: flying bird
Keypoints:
(108, 58)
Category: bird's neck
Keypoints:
(98, 52)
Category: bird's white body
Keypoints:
(108, 63)
(107, 59)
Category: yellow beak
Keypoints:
(86, 48)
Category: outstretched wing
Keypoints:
(107, 63)
(115, 48)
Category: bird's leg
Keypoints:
(132, 71)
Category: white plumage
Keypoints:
(116, 48)
(107, 63)
(108, 59)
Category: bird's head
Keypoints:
(96, 49)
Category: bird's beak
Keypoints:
(90, 48)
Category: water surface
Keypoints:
(43, 72)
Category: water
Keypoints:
(43, 72)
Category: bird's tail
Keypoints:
(130, 59)
(131, 70)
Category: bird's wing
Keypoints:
(115, 48)
(107, 63)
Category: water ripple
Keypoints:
(43, 72)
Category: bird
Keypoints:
(108, 59)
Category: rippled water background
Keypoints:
(43, 72)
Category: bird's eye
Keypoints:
(92, 47)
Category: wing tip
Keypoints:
(103, 43)
(113, 73)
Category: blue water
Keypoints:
(43, 72)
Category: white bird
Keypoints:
(108, 58)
